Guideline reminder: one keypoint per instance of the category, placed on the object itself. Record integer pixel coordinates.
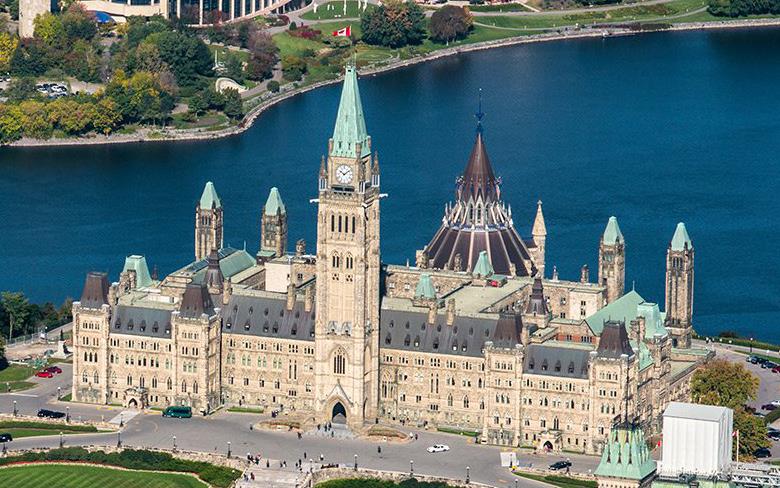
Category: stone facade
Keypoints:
(28, 10)
(340, 336)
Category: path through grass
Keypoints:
(80, 476)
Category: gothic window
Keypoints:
(184, 386)
(449, 400)
(339, 363)
(129, 380)
(339, 223)
(465, 402)
(154, 382)
(336, 260)
(113, 378)
(332, 223)
(84, 377)
(195, 387)
(353, 224)
(170, 384)
(95, 378)
(349, 261)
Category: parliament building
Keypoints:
(478, 335)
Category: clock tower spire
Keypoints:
(348, 267)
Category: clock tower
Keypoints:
(348, 269)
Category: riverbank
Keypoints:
(167, 135)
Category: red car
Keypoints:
(776, 369)
(44, 374)
(53, 369)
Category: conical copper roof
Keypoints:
(478, 179)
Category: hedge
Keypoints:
(142, 460)
(450, 430)
(377, 483)
(772, 416)
(29, 424)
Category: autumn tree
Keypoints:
(393, 24)
(450, 23)
(8, 45)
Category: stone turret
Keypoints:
(539, 235)
(612, 261)
(679, 287)
(208, 222)
(273, 242)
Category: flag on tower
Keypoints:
(345, 32)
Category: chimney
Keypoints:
(308, 300)
(432, 308)
(555, 273)
(227, 292)
(450, 311)
(640, 328)
(300, 247)
(290, 296)
(584, 274)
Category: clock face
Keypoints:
(344, 174)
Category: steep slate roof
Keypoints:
(350, 126)
(274, 205)
(267, 316)
(137, 263)
(141, 321)
(612, 232)
(626, 454)
(539, 228)
(681, 238)
(558, 361)
(614, 341)
(195, 302)
(410, 331)
(231, 262)
(213, 277)
(628, 308)
(95, 293)
(508, 331)
(479, 221)
(537, 305)
(209, 197)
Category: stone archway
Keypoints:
(339, 414)
(132, 403)
(548, 446)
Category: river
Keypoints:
(654, 129)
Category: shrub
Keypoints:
(273, 86)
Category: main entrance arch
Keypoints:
(339, 414)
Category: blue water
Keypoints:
(654, 129)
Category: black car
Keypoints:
(6, 437)
(762, 453)
(774, 435)
(51, 414)
(559, 465)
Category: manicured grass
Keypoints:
(19, 433)
(80, 476)
(337, 11)
(223, 52)
(560, 481)
(295, 45)
(14, 376)
(466, 432)
(245, 410)
(503, 7)
(10, 425)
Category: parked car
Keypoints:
(178, 412)
(559, 465)
(776, 403)
(6, 437)
(53, 369)
(44, 374)
(769, 407)
(768, 365)
(776, 369)
(50, 414)
(438, 448)
(775, 436)
(762, 453)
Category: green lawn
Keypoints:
(338, 11)
(503, 7)
(80, 476)
(557, 480)
(14, 376)
(245, 410)
(223, 52)
(31, 428)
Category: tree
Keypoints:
(234, 68)
(724, 383)
(186, 55)
(273, 86)
(198, 104)
(48, 28)
(394, 24)
(293, 67)
(8, 45)
(35, 122)
(234, 107)
(78, 23)
(752, 433)
(449, 23)
(10, 123)
(107, 116)
(16, 305)
(29, 58)
(21, 89)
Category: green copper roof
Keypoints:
(628, 308)
(612, 233)
(350, 125)
(425, 287)
(231, 262)
(138, 264)
(483, 267)
(626, 455)
(681, 238)
(209, 198)
(274, 205)
(703, 483)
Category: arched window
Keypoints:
(195, 387)
(353, 224)
(184, 386)
(170, 384)
(96, 378)
(336, 260)
(332, 223)
(84, 377)
(154, 382)
(449, 400)
(465, 402)
(339, 362)
(349, 261)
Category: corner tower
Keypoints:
(273, 241)
(348, 267)
(679, 287)
(612, 261)
(208, 223)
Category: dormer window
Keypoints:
(275, 329)
(388, 339)
(407, 340)
(143, 325)
(417, 341)
(265, 326)
(229, 323)
(531, 364)
(294, 330)
(130, 325)
(544, 365)
(436, 344)
(247, 325)
(265, 312)
(155, 327)
(557, 366)
(455, 345)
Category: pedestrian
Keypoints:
(252, 476)
(299, 462)
(245, 477)
(267, 463)
(304, 455)
(322, 457)
(379, 449)
(251, 427)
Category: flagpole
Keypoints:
(737, 445)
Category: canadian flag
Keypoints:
(345, 32)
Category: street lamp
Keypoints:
(355, 462)
(515, 483)
(61, 440)
(174, 443)
(468, 478)
(16, 411)
(411, 467)
(58, 393)
(119, 438)
(228, 453)
(121, 420)
(751, 345)
(67, 414)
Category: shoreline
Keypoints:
(252, 114)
